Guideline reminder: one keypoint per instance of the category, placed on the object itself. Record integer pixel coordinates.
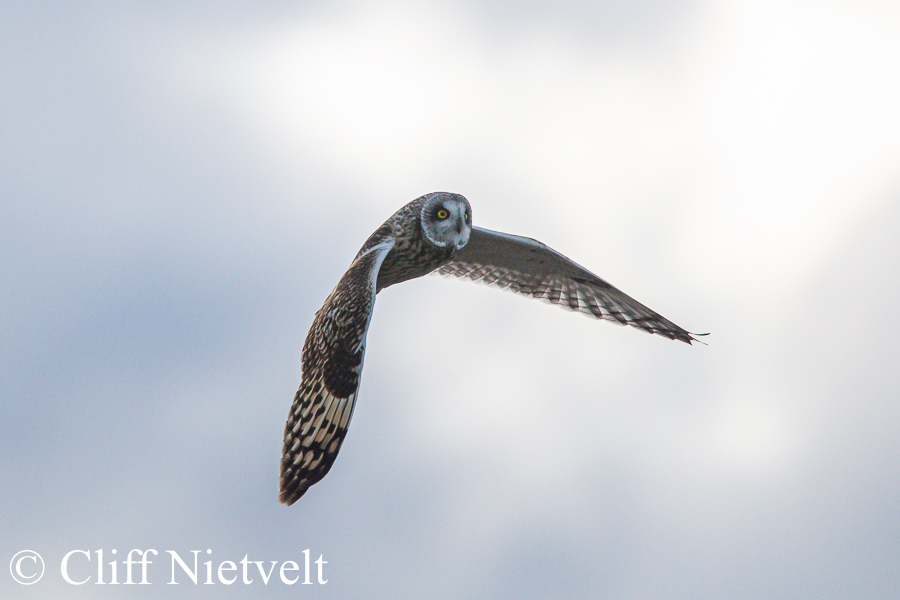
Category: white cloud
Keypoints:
(711, 169)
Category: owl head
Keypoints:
(446, 219)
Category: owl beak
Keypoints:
(462, 240)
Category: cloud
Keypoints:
(185, 185)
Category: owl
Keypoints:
(431, 233)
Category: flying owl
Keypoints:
(431, 233)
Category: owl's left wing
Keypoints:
(332, 364)
(528, 267)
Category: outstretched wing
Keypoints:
(332, 364)
(528, 267)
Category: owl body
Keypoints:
(433, 233)
(413, 254)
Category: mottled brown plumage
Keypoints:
(335, 346)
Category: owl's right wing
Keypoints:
(528, 267)
(332, 364)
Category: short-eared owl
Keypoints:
(431, 233)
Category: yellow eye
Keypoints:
(442, 214)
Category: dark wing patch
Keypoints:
(332, 364)
(528, 267)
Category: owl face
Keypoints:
(447, 220)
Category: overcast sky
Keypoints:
(182, 186)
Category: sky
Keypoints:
(183, 184)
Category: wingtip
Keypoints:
(290, 490)
(288, 497)
(694, 337)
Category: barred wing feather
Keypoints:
(332, 364)
(526, 266)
